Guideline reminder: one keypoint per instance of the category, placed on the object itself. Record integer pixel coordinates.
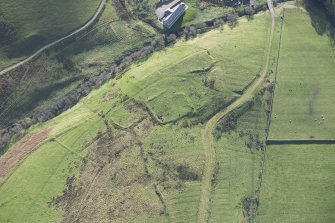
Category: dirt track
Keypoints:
(212, 123)
(21, 151)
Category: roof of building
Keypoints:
(174, 15)
(160, 11)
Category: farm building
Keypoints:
(168, 14)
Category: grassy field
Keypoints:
(298, 184)
(305, 77)
(178, 177)
(121, 163)
(38, 22)
(238, 166)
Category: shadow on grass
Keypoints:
(320, 21)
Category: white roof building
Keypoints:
(173, 14)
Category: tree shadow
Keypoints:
(320, 21)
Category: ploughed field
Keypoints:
(304, 97)
(131, 151)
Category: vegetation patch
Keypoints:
(250, 206)
(229, 122)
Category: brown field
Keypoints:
(20, 151)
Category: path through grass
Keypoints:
(211, 124)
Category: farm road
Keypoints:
(85, 26)
(207, 135)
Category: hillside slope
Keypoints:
(131, 151)
(39, 83)
(27, 25)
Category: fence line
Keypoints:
(299, 141)
(275, 80)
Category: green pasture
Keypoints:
(298, 184)
(303, 102)
(47, 18)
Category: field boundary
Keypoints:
(275, 80)
(299, 141)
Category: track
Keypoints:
(208, 139)
(85, 26)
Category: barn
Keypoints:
(170, 13)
